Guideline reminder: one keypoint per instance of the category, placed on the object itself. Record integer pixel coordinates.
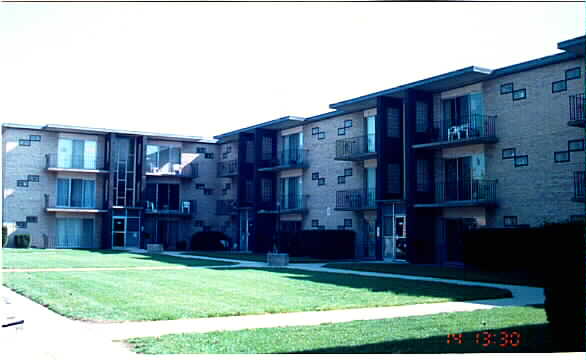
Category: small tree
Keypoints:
(4, 236)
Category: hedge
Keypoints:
(22, 241)
(323, 244)
(208, 241)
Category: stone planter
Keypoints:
(154, 248)
(277, 259)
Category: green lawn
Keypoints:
(57, 258)
(514, 278)
(204, 292)
(417, 334)
(252, 256)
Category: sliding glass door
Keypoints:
(77, 154)
(76, 193)
(75, 233)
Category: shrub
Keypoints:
(209, 240)
(22, 241)
(4, 236)
(323, 244)
(181, 245)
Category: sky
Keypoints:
(207, 68)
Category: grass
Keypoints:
(252, 256)
(204, 292)
(57, 258)
(416, 334)
(513, 278)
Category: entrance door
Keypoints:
(394, 233)
(125, 232)
(243, 246)
(118, 232)
(369, 233)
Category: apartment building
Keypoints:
(407, 168)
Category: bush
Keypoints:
(22, 241)
(181, 245)
(323, 244)
(4, 236)
(209, 241)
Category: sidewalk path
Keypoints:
(47, 335)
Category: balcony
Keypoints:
(355, 200)
(73, 207)
(74, 163)
(188, 171)
(228, 168)
(471, 129)
(226, 207)
(577, 113)
(187, 208)
(463, 193)
(287, 159)
(579, 190)
(356, 148)
(289, 204)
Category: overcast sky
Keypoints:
(208, 68)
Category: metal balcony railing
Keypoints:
(292, 158)
(185, 208)
(291, 202)
(74, 162)
(579, 191)
(225, 207)
(467, 127)
(466, 190)
(357, 199)
(71, 203)
(186, 171)
(355, 147)
(577, 113)
(228, 168)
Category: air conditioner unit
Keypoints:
(186, 207)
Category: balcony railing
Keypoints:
(81, 205)
(463, 193)
(186, 208)
(577, 113)
(225, 207)
(292, 202)
(286, 159)
(177, 170)
(472, 126)
(358, 199)
(356, 148)
(228, 168)
(579, 191)
(74, 162)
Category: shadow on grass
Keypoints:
(533, 338)
(258, 257)
(168, 259)
(397, 286)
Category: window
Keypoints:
(76, 193)
(34, 137)
(423, 181)
(266, 189)
(314, 131)
(200, 150)
(321, 135)
(558, 86)
(224, 156)
(209, 155)
(341, 179)
(314, 223)
(77, 154)
(200, 186)
(291, 190)
(33, 178)
(576, 145)
(229, 149)
(458, 110)
(341, 131)
(393, 122)
(421, 117)
(267, 148)
(519, 94)
(24, 142)
(508, 153)
(314, 176)
(32, 219)
(21, 183)
(348, 123)
(75, 233)
(521, 160)
(207, 228)
(394, 178)
(321, 181)
(208, 191)
(348, 172)
(573, 73)
(561, 156)
(21, 224)
(162, 196)
(198, 223)
(348, 223)
(506, 88)
(510, 220)
(227, 186)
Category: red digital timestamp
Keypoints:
(485, 339)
